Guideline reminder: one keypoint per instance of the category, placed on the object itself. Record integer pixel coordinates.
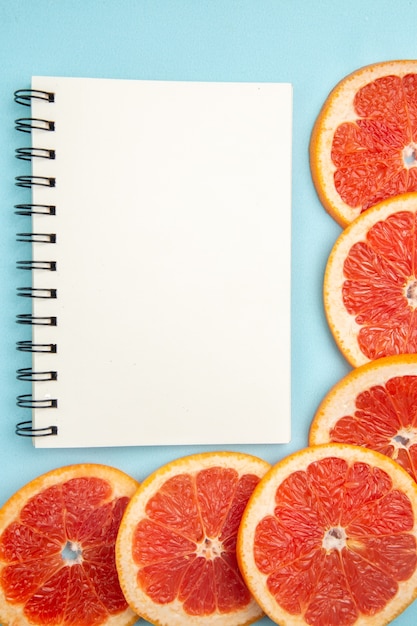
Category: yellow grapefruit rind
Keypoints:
(342, 324)
(262, 503)
(172, 614)
(122, 484)
(337, 109)
(340, 400)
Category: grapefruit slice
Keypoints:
(363, 146)
(57, 545)
(374, 406)
(370, 283)
(329, 538)
(176, 549)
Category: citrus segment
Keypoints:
(176, 548)
(370, 283)
(329, 538)
(374, 406)
(57, 544)
(363, 147)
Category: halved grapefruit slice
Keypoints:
(57, 544)
(370, 283)
(176, 549)
(363, 146)
(374, 406)
(329, 538)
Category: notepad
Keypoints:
(159, 252)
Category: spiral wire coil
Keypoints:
(25, 97)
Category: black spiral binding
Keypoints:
(37, 265)
(29, 346)
(30, 181)
(29, 319)
(35, 209)
(27, 124)
(25, 429)
(27, 373)
(27, 154)
(25, 96)
(36, 237)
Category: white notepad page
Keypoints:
(173, 213)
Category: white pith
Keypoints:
(409, 155)
(72, 553)
(410, 292)
(334, 539)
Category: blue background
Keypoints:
(310, 43)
